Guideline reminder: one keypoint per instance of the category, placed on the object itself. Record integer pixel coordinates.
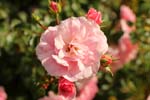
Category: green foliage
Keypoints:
(21, 73)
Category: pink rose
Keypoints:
(66, 88)
(88, 89)
(72, 49)
(127, 49)
(3, 95)
(127, 14)
(94, 15)
(124, 52)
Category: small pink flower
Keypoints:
(127, 14)
(88, 89)
(3, 95)
(66, 88)
(72, 49)
(94, 15)
(54, 6)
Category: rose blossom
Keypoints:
(3, 95)
(124, 52)
(72, 49)
(94, 15)
(88, 89)
(127, 14)
(127, 48)
(66, 88)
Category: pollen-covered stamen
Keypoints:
(68, 48)
(72, 49)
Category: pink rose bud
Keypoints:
(54, 6)
(66, 88)
(94, 15)
(106, 60)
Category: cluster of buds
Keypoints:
(55, 8)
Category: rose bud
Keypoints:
(94, 15)
(106, 60)
(66, 88)
(55, 7)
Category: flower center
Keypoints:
(71, 48)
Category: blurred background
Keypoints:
(21, 73)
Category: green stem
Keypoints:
(37, 19)
(42, 26)
(57, 18)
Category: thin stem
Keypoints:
(37, 19)
(42, 26)
(57, 18)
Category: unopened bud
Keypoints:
(106, 60)
(94, 15)
(55, 7)
(66, 88)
